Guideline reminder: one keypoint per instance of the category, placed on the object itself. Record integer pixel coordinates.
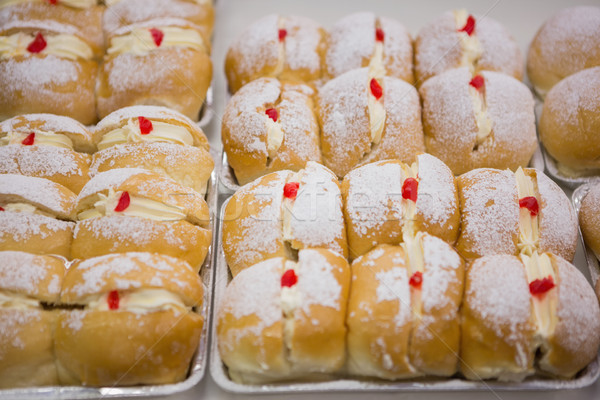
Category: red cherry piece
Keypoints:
(1, 208)
(123, 203)
(272, 113)
(469, 27)
(29, 140)
(416, 280)
(477, 82)
(409, 189)
(376, 89)
(54, 2)
(289, 278)
(282, 34)
(145, 125)
(290, 190)
(157, 36)
(541, 286)
(38, 44)
(379, 35)
(531, 204)
(113, 300)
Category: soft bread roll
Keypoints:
(26, 329)
(568, 42)
(281, 213)
(376, 211)
(282, 320)
(569, 123)
(403, 310)
(269, 126)
(133, 71)
(364, 39)
(589, 218)
(289, 48)
(366, 118)
(458, 39)
(108, 343)
(489, 126)
(132, 209)
(493, 222)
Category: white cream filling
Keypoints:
(25, 208)
(484, 124)
(161, 132)
(376, 66)
(377, 116)
(471, 46)
(17, 301)
(280, 50)
(60, 45)
(409, 207)
(141, 301)
(529, 235)
(274, 137)
(287, 206)
(140, 41)
(82, 4)
(539, 266)
(113, 2)
(42, 138)
(413, 248)
(290, 302)
(138, 207)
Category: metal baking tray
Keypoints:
(590, 257)
(343, 383)
(199, 362)
(227, 177)
(207, 112)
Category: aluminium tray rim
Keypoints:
(588, 376)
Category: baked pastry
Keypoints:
(35, 215)
(121, 13)
(282, 319)
(365, 40)
(569, 122)
(28, 283)
(269, 126)
(403, 316)
(157, 139)
(131, 209)
(365, 119)
(589, 218)
(289, 48)
(134, 72)
(568, 42)
(46, 146)
(282, 213)
(521, 312)
(105, 340)
(46, 67)
(386, 200)
(510, 213)
(476, 121)
(458, 39)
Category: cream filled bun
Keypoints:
(510, 213)
(459, 39)
(521, 312)
(589, 218)
(269, 126)
(134, 72)
(131, 209)
(289, 48)
(403, 316)
(282, 319)
(281, 213)
(568, 42)
(121, 13)
(478, 120)
(385, 200)
(28, 284)
(365, 118)
(364, 39)
(35, 215)
(569, 123)
(135, 321)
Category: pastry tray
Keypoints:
(227, 178)
(341, 383)
(199, 362)
(590, 257)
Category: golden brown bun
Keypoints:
(245, 128)
(121, 117)
(569, 122)
(352, 41)
(438, 48)
(77, 132)
(346, 127)
(598, 289)
(497, 321)
(187, 165)
(568, 42)
(589, 218)
(450, 121)
(256, 52)
(251, 323)
(89, 353)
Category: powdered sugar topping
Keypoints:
(436, 195)
(316, 281)
(37, 191)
